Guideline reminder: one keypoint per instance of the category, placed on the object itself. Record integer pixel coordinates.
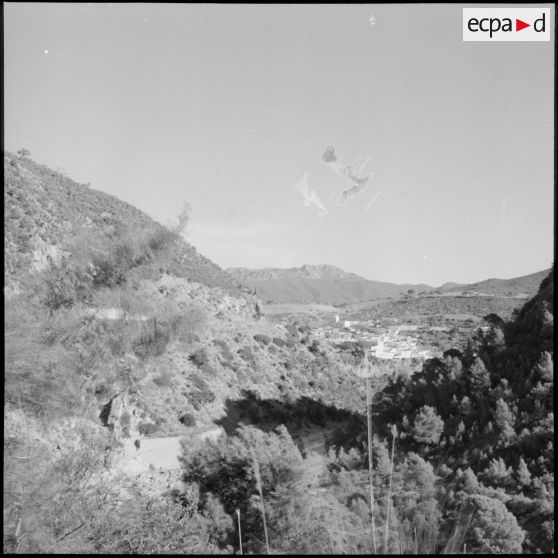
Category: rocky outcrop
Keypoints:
(120, 416)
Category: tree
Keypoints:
(427, 426)
(523, 474)
(479, 376)
(183, 218)
(470, 482)
(23, 153)
(493, 529)
(465, 406)
(496, 336)
(504, 420)
(494, 320)
(498, 473)
(545, 367)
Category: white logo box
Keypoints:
(492, 24)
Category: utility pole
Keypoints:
(239, 532)
(370, 471)
(260, 490)
(386, 536)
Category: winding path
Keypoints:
(160, 453)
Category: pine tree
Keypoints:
(427, 426)
(493, 529)
(470, 481)
(479, 376)
(465, 406)
(498, 473)
(545, 367)
(523, 474)
(504, 420)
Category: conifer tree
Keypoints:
(493, 529)
(523, 474)
(427, 426)
(504, 420)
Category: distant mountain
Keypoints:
(328, 284)
(325, 284)
(526, 285)
(306, 271)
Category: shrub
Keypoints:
(292, 329)
(279, 342)
(160, 239)
(225, 351)
(147, 428)
(263, 339)
(198, 381)
(199, 357)
(246, 354)
(163, 380)
(64, 286)
(152, 341)
(23, 153)
(194, 320)
(314, 347)
(108, 272)
(187, 419)
(199, 397)
(125, 422)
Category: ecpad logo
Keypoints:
(506, 24)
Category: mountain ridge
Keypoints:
(326, 283)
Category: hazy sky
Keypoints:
(225, 106)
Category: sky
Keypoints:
(226, 107)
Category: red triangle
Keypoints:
(519, 25)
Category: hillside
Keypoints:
(324, 284)
(525, 285)
(118, 332)
(124, 346)
(327, 284)
(484, 418)
(44, 211)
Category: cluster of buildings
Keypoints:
(391, 342)
(391, 345)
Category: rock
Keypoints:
(119, 416)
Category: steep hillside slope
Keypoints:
(118, 331)
(324, 284)
(45, 210)
(484, 418)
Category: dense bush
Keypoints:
(263, 339)
(199, 397)
(246, 354)
(187, 419)
(147, 428)
(198, 381)
(65, 286)
(201, 359)
(226, 354)
(152, 341)
(164, 379)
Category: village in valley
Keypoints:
(392, 342)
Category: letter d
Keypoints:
(540, 20)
